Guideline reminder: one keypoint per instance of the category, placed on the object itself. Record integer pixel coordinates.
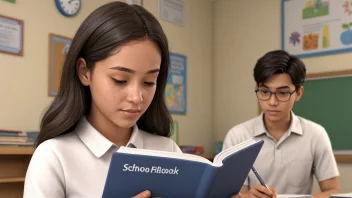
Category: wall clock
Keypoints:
(68, 8)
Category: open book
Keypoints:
(169, 174)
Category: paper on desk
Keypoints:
(293, 196)
(343, 195)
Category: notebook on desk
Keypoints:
(293, 196)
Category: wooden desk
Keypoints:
(14, 161)
(343, 158)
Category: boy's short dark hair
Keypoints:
(279, 62)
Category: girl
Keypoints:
(111, 95)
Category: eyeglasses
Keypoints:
(282, 96)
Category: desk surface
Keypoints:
(16, 150)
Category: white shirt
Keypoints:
(75, 165)
(289, 164)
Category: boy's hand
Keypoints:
(261, 191)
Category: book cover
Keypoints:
(171, 175)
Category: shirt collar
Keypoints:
(295, 127)
(259, 127)
(98, 144)
(136, 140)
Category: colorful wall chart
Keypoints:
(175, 92)
(316, 27)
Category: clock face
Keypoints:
(68, 7)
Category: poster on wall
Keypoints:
(316, 27)
(11, 35)
(136, 2)
(58, 48)
(172, 11)
(175, 92)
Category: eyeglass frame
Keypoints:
(271, 93)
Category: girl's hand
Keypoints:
(239, 195)
(144, 194)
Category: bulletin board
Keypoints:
(58, 48)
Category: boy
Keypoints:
(294, 148)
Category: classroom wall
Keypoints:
(243, 31)
(24, 80)
(219, 36)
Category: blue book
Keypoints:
(175, 175)
(9, 134)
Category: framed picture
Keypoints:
(11, 35)
(58, 48)
(137, 2)
(176, 87)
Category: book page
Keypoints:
(225, 153)
(166, 154)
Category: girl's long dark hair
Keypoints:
(105, 29)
